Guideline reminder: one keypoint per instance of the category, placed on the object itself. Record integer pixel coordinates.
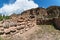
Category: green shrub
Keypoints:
(4, 17)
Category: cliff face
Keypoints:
(43, 16)
(20, 23)
(48, 13)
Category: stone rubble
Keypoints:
(20, 25)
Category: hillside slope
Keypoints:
(24, 26)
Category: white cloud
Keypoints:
(18, 6)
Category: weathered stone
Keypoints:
(56, 23)
(2, 29)
(1, 22)
(1, 32)
(26, 29)
(21, 31)
(18, 27)
(6, 31)
(22, 26)
(19, 23)
(20, 20)
(12, 24)
(1, 25)
(12, 29)
(6, 24)
(29, 23)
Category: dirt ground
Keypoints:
(40, 32)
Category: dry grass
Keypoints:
(1, 38)
(45, 32)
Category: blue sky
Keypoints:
(9, 7)
(47, 3)
(41, 3)
(2, 2)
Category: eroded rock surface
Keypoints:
(28, 20)
(20, 25)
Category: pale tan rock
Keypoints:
(1, 32)
(20, 20)
(29, 23)
(23, 23)
(12, 23)
(2, 29)
(26, 29)
(12, 29)
(19, 24)
(1, 22)
(1, 25)
(6, 24)
(18, 27)
(21, 31)
(6, 31)
(22, 26)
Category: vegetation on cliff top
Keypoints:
(3, 17)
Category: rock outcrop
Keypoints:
(20, 23)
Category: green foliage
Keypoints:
(6, 17)
(3, 17)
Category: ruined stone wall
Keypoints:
(20, 25)
(28, 19)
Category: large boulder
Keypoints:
(56, 23)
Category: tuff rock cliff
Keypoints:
(21, 23)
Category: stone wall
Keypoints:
(20, 25)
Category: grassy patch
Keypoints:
(4, 17)
(1, 38)
(48, 28)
